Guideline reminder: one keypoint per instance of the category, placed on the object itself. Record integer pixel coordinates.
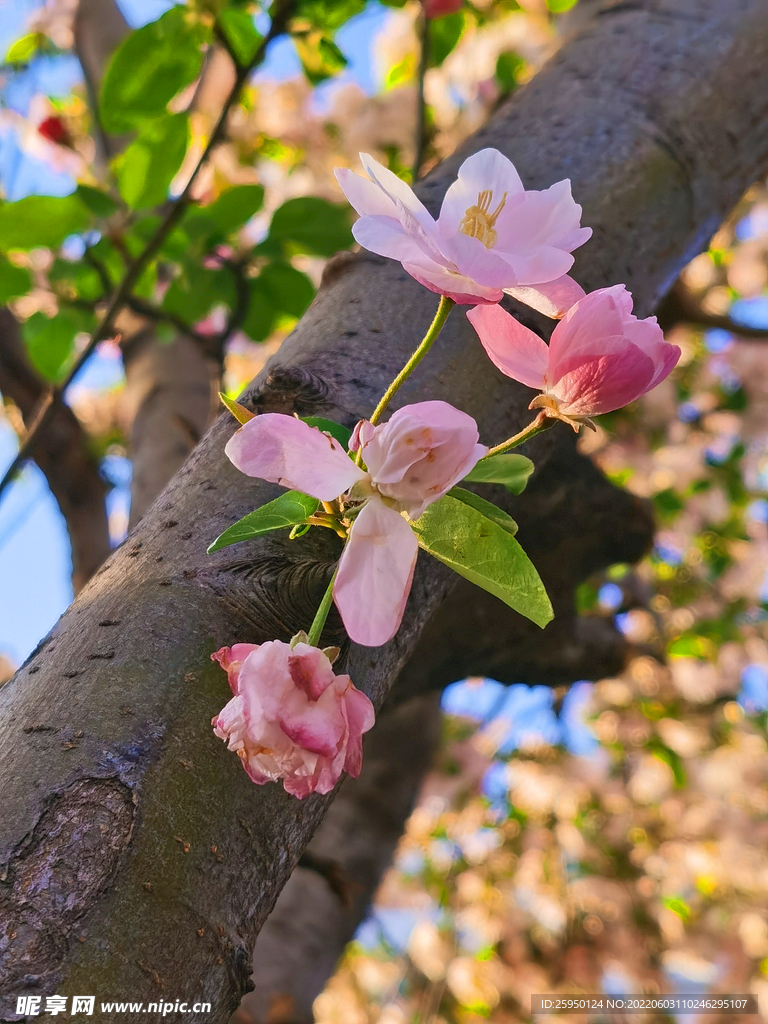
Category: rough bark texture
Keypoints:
(324, 901)
(170, 389)
(116, 701)
(63, 456)
(172, 393)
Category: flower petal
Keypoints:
(289, 452)
(487, 170)
(375, 574)
(553, 299)
(462, 290)
(605, 383)
(364, 195)
(518, 352)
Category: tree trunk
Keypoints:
(63, 456)
(139, 860)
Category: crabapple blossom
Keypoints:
(492, 236)
(412, 460)
(291, 717)
(600, 357)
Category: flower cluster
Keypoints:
(391, 487)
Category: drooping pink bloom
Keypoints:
(291, 717)
(600, 356)
(440, 8)
(412, 460)
(491, 236)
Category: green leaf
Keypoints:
(192, 295)
(509, 68)
(287, 289)
(49, 342)
(241, 414)
(561, 6)
(312, 225)
(289, 509)
(508, 469)
(80, 277)
(444, 34)
(487, 508)
(261, 314)
(328, 15)
(319, 55)
(41, 220)
(99, 203)
(342, 434)
(14, 281)
(483, 552)
(241, 33)
(232, 209)
(24, 49)
(150, 67)
(146, 168)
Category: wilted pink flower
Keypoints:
(413, 459)
(440, 8)
(600, 356)
(491, 236)
(291, 718)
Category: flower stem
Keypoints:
(542, 422)
(318, 623)
(445, 307)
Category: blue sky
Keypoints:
(35, 561)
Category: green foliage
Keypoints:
(483, 552)
(41, 221)
(444, 34)
(507, 468)
(342, 434)
(230, 211)
(320, 57)
(197, 289)
(509, 68)
(25, 49)
(49, 342)
(14, 281)
(147, 167)
(486, 508)
(290, 509)
(242, 35)
(311, 225)
(75, 279)
(328, 15)
(561, 6)
(150, 67)
(99, 203)
(279, 290)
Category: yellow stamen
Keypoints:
(479, 220)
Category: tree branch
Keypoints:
(63, 455)
(47, 406)
(680, 306)
(145, 771)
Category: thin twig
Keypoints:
(419, 141)
(41, 419)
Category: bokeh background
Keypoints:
(609, 836)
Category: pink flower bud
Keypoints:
(600, 357)
(291, 717)
(420, 453)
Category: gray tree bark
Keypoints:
(140, 862)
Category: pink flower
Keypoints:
(491, 236)
(440, 8)
(600, 356)
(413, 459)
(291, 718)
